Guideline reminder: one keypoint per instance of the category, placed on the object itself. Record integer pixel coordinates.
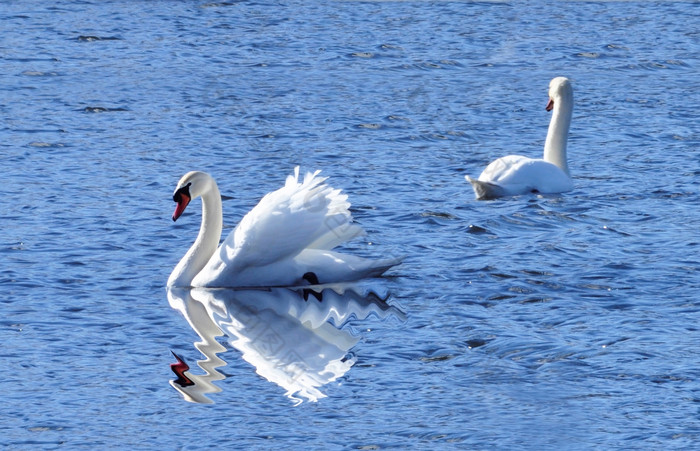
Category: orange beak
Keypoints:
(182, 200)
(550, 105)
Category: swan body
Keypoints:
(285, 240)
(514, 174)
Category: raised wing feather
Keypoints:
(300, 215)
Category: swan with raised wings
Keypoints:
(515, 174)
(285, 240)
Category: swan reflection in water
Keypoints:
(294, 338)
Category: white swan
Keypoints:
(514, 174)
(286, 240)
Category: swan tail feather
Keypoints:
(330, 266)
(383, 265)
(485, 190)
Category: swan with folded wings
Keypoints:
(515, 174)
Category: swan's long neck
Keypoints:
(555, 145)
(206, 243)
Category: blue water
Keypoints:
(535, 322)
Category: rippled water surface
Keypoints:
(535, 322)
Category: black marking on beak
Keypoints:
(177, 197)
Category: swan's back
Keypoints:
(274, 241)
(516, 174)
